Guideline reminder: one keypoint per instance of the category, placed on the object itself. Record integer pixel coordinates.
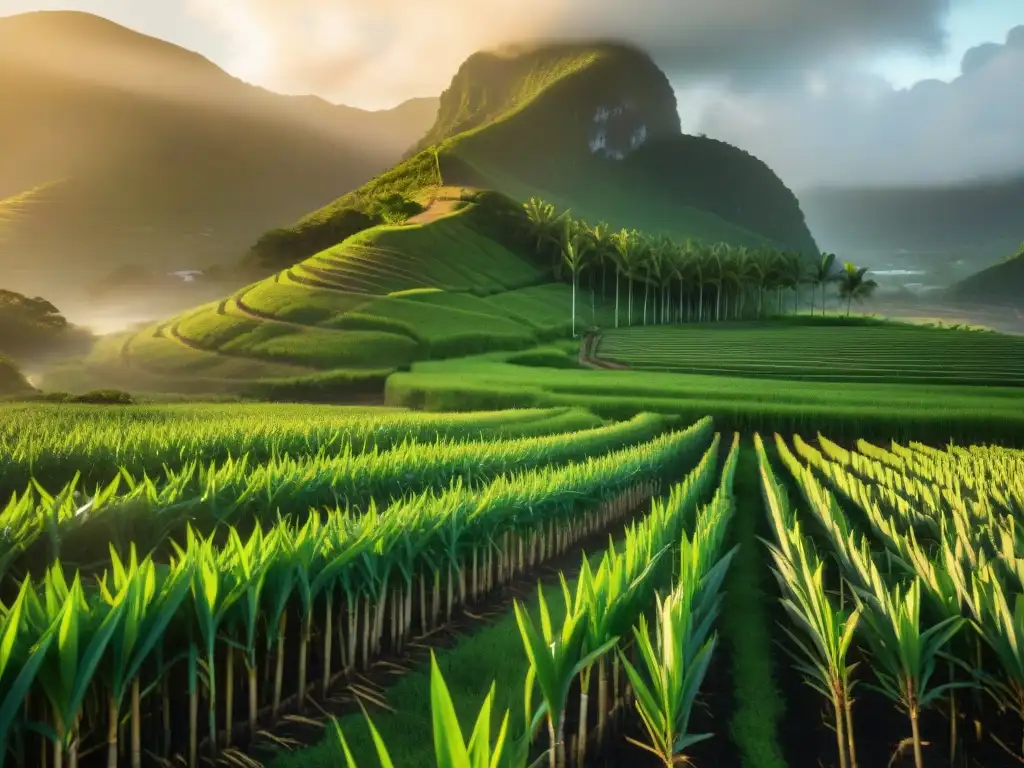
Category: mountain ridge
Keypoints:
(157, 157)
(560, 121)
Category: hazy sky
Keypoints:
(826, 91)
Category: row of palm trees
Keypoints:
(682, 282)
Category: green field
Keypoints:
(887, 354)
(523, 487)
(861, 406)
(352, 545)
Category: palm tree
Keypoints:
(638, 252)
(748, 274)
(794, 275)
(852, 285)
(701, 259)
(731, 277)
(714, 275)
(575, 249)
(545, 227)
(656, 268)
(620, 256)
(778, 275)
(682, 270)
(754, 268)
(822, 273)
(602, 245)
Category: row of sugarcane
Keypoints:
(53, 443)
(145, 511)
(679, 545)
(968, 580)
(355, 587)
(926, 506)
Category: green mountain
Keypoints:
(592, 128)
(1002, 284)
(145, 154)
(431, 259)
(12, 382)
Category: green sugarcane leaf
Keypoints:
(93, 654)
(378, 741)
(350, 761)
(156, 624)
(17, 690)
(498, 752)
(480, 739)
(449, 747)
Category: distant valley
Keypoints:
(129, 152)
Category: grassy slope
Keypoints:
(363, 304)
(360, 310)
(12, 382)
(861, 408)
(1000, 284)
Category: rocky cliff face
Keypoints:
(595, 128)
(603, 99)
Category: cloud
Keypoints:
(783, 79)
(378, 52)
(844, 127)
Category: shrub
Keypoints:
(544, 357)
(104, 397)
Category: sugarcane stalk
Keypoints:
(112, 731)
(581, 730)
(165, 707)
(253, 698)
(73, 746)
(423, 605)
(305, 635)
(193, 726)
(451, 591)
(136, 733)
(366, 632)
(848, 706)
(476, 583)
(229, 694)
(353, 635)
(279, 667)
(407, 619)
(916, 732)
(325, 679)
(840, 730)
(58, 745)
(552, 750)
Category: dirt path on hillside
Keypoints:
(442, 204)
(588, 355)
(437, 210)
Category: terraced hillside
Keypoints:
(436, 287)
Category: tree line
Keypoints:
(689, 281)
